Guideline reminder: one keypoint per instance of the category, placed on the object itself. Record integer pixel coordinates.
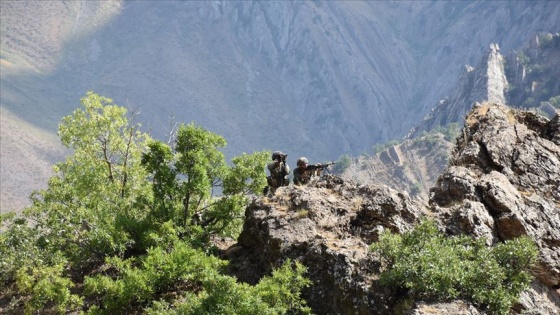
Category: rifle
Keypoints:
(320, 167)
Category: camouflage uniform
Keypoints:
(302, 175)
(278, 174)
(279, 171)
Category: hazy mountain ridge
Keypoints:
(310, 78)
(533, 82)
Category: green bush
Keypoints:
(380, 147)
(137, 281)
(430, 265)
(555, 101)
(277, 294)
(47, 286)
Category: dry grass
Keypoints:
(357, 203)
(511, 116)
(478, 112)
(526, 193)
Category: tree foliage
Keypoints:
(89, 209)
(342, 163)
(126, 221)
(185, 177)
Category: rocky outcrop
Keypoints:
(328, 226)
(504, 182)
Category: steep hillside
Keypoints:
(532, 73)
(412, 165)
(26, 158)
(310, 78)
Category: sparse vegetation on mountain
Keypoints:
(379, 147)
(532, 73)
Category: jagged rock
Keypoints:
(328, 226)
(504, 182)
(553, 129)
(539, 299)
(469, 217)
(454, 183)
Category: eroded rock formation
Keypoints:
(502, 182)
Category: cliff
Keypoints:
(485, 82)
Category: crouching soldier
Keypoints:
(279, 171)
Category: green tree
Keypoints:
(342, 163)
(184, 179)
(110, 227)
(89, 207)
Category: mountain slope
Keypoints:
(310, 78)
(412, 165)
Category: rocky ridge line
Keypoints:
(502, 182)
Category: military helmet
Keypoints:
(302, 160)
(277, 155)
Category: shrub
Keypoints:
(380, 147)
(47, 286)
(555, 101)
(430, 265)
(276, 294)
(136, 283)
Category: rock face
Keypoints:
(328, 226)
(503, 181)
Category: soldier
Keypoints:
(279, 171)
(302, 174)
